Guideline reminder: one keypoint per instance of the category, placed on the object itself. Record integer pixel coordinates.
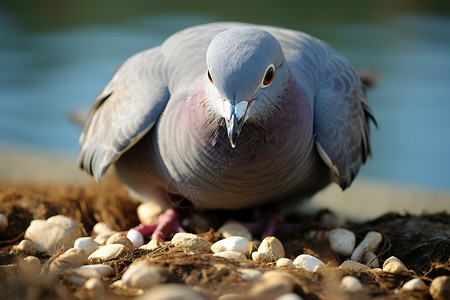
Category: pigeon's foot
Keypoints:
(168, 222)
(270, 224)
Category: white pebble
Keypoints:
(103, 237)
(235, 229)
(27, 247)
(31, 265)
(231, 255)
(80, 275)
(250, 274)
(135, 237)
(52, 234)
(143, 275)
(149, 211)
(289, 296)
(440, 288)
(232, 243)
(415, 284)
(3, 223)
(351, 284)
(171, 291)
(107, 252)
(73, 257)
(342, 241)
(394, 265)
(100, 228)
(369, 244)
(87, 244)
(354, 265)
(307, 262)
(371, 260)
(119, 238)
(332, 219)
(191, 242)
(270, 250)
(94, 287)
(153, 244)
(284, 262)
(272, 284)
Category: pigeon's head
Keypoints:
(246, 76)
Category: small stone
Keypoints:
(235, 229)
(153, 244)
(103, 237)
(88, 244)
(95, 288)
(331, 219)
(369, 244)
(440, 288)
(351, 284)
(143, 275)
(119, 238)
(3, 223)
(191, 242)
(135, 237)
(232, 243)
(171, 291)
(149, 211)
(342, 241)
(108, 252)
(101, 227)
(80, 275)
(350, 264)
(52, 234)
(371, 260)
(74, 257)
(229, 254)
(318, 235)
(284, 262)
(272, 284)
(289, 296)
(307, 262)
(230, 297)
(394, 265)
(415, 284)
(30, 265)
(250, 274)
(270, 250)
(27, 247)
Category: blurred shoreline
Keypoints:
(365, 199)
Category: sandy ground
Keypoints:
(365, 199)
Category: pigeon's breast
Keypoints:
(272, 159)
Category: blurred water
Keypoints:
(47, 74)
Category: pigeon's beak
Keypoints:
(235, 117)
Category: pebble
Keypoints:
(101, 227)
(107, 252)
(371, 260)
(440, 288)
(171, 291)
(80, 275)
(103, 237)
(250, 274)
(342, 241)
(143, 275)
(26, 247)
(270, 250)
(233, 243)
(135, 237)
(119, 238)
(351, 284)
(284, 262)
(149, 211)
(229, 254)
(31, 265)
(354, 265)
(415, 284)
(331, 219)
(394, 265)
(307, 262)
(3, 223)
(153, 244)
(191, 242)
(272, 284)
(88, 244)
(235, 229)
(319, 235)
(72, 258)
(369, 244)
(94, 287)
(54, 233)
(289, 296)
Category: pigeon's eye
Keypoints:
(209, 77)
(268, 78)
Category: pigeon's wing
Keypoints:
(341, 119)
(124, 112)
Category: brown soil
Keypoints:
(422, 243)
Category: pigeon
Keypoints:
(229, 116)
